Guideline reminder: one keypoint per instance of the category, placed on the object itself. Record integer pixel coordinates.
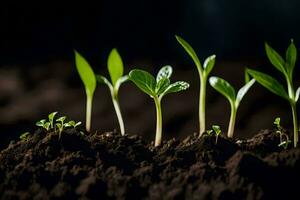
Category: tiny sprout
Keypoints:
(286, 67)
(217, 131)
(285, 143)
(203, 75)
(24, 136)
(284, 138)
(228, 91)
(115, 69)
(157, 89)
(51, 119)
(73, 124)
(44, 124)
(88, 78)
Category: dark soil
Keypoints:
(109, 166)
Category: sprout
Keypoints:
(73, 124)
(88, 78)
(215, 129)
(60, 125)
(51, 119)
(157, 89)
(203, 74)
(24, 136)
(44, 124)
(286, 67)
(228, 91)
(284, 138)
(115, 69)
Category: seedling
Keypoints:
(286, 67)
(24, 136)
(284, 138)
(228, 91)
(88, 78)
(115, 69)
(157, 89)
(44, 124)
(203, 74)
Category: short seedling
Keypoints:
(24, 136)
(203, 74)
(47, 124)
(284, 138)
(228, 91)
(88, 78)
(115, 69)
(286, 67)
(157, 89)
(216, 130)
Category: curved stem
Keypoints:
(295, 122)
(88, 113)
(232, 121)
(202, 105)
(119, 114)
(158, 135)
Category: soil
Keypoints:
(109, 166)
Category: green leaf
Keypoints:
(270, 83)
(241, 93)
(247, 77)
(164, 72)
(143, 80)
(216, 129)
(209, 63)
(115, 66)
(276, 60)
(86, 74)
(162, 85)
(61, 119)
(40, 123)
(51, 118)
(176, 87)
(297, 94)
(223, 87)
(291, 57)
(189, 49)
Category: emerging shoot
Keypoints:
(88, 78)
(216, 130)
(228, 91)
(24, 136)
(203, 74)
(284, 138)
(115, 69)
(157, 89)
(286, 67)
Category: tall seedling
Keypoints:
(88, 78)
(203, 74)
(115, 69)
(157, 89)
(286, 67)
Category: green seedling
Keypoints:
(88, 78)
(115, 69)
(157, 89)
(284, 138)
(73, 124)
(286, 67)
(217, 131)
(60, 125)
(228, 91)
(51, 117)
(203, 74)
(24, 136)
(44, 124)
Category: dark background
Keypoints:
(37, 72)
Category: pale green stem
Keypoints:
(158, 135)
(232, 121)
(118, 112)
(88, 113)
(202, 105)
(295, 122)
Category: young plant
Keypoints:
(88, 78)
(24, 136)
(284, 138)
(286, 67)
(216, 130)
(115, 69)
(157, 89)
(44, 124)
(203, 74)
(228, 91)
(60, 125)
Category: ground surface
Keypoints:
(108, 166)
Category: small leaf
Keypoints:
(143, 80)
(209, 63)
(61, 119)
(216, 129)
(277, 121)
(176, 87)
(51, 116)
(40, 123)
(189, 49)
(115, 66)
(47, 126)
(241, 93)
(297, 94)
(269, 82)
(247, 77)
(162, 85)
(86, 74)
(164, 72)
(276, 60)
(291, 57)
(223, 87)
